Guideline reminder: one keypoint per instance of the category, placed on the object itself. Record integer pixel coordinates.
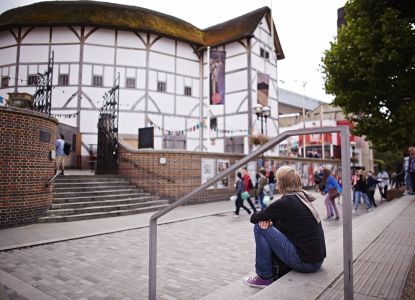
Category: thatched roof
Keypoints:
(132, 18)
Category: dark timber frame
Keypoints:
(107, 152)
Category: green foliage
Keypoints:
(370, 69)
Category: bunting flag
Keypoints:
(65, 116)
(193, 128)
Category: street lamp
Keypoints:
(262, 112)
(353, 144)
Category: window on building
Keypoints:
(97, 80)
(161, 86)
(130, 82)
(174, 142)
(264, 53)
(63, 79)
(5, 81)
(234, 144)
(32, 80)
(187, 91)
(213, 123)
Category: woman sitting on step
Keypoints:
(289, 228)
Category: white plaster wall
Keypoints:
(129, 122)
(187, 67)
(236, 82)
(109, 76)
(141, 79)
(129, 39)
(235, 49)
(6, 38)
(89, 121)
(163, 102)
(236, 62)
(102, 37)
(61, 95)
(63, 35)
(237, 102)
(66, 53)
(186, 51)
(86, 74)
(88, 139)
(131, 57)
(97, 54)
(67, 121)
(74, 74)
(34, 54)
(164, 45)
(128, 97)
(37, 35)
(186, 104)
(8, 56)
(161, 62)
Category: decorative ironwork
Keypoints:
(42, 100)
(107, 152)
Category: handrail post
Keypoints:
(152, 259)
(347, 215)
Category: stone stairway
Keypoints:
(82, 197)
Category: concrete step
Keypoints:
(113, 196)
(75, 205)
(92, 193)
(104, 208)
(81, 178)
(53, 219)
(94, 188)
(87, 184)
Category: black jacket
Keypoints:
(290, 216)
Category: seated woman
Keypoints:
(290, 228)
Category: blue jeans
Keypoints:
(262, 206)
(272, 240)
(272, 188)
(358, 195)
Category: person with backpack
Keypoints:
(248, 187)
(239, 189)
(290, 228)
(60, 154)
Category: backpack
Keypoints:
(67, 148)
(250, 185)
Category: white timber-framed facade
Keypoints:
(163, 70)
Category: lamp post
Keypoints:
(262, 112)
(353, 144)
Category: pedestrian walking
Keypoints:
(248, 187)
(411, 169)
(383, 177)
(239, 189)
(332, 190)
(271, 182)
(60, 154)
(360, 192)
(371, 188)
(262, 182)
(289, 228)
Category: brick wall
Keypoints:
(182, 171)
(25, 165)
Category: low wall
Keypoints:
(26, 138)
(173, 173)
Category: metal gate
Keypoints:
(42, 100)
(107, 151)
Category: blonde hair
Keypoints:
(288, 180)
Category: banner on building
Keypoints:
(217, 77)
(262, 88)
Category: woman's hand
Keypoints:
(265, 224)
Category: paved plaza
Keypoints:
(197, 256)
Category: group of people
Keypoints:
(264, 186)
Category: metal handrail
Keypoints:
(347, 206)
(58, 172)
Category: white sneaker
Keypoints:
(370, 209)
(236, 216)
(354, 212)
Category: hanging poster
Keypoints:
(208, 170)
(217, 77)
(222, 165)
(262, 88)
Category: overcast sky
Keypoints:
(305, 29)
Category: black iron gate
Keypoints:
(42, 100)
(107, 151)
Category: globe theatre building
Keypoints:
(163, 68)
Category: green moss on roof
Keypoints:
(124, 17)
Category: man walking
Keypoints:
(60, 154)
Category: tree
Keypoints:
(370, 69)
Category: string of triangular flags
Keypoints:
(65, 116)
(193, 128)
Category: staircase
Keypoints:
(83, 197)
